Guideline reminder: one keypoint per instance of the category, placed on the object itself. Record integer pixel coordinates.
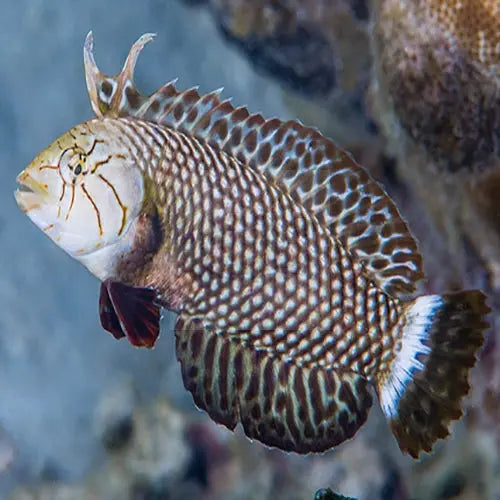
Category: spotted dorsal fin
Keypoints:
(299, 160)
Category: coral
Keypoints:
(436, 97)
(474, 25)
(301, 42)
(278, 40)
(441, 83)
(319, 52)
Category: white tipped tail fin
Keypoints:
(429, 374)
(413, 345)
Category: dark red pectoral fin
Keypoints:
(109, 319)
(131, 312)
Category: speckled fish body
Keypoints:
(290, 268)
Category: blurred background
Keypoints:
(405, 88)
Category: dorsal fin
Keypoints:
(299, 160)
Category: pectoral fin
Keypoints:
(109, 319)
(130, 311)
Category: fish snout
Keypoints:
(30, 193)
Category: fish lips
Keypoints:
(30, 193)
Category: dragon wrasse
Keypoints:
(291, 270)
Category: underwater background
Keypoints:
(404, 88)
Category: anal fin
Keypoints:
(295, 408)
(130, 311)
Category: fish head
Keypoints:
(84, 190)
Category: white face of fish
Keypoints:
(83, 191)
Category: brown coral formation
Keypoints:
(279, 42)
(338, 28)
(439, 110)
(439, 80)
(473, 24)
(317, 49)
(439, 107)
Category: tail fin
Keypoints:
(429, 376)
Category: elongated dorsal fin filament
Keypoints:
(112, 95)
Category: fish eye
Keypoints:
(72, 164)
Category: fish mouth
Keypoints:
(29, 193)
(26, 183)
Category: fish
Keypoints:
(292, 273)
